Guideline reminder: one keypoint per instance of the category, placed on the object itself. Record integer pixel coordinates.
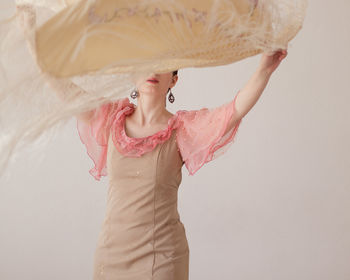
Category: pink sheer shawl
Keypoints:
(200, 134)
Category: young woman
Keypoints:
(142, 149)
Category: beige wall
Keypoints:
(275, 206)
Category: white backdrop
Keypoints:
(275, 206)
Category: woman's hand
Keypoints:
(270, 61)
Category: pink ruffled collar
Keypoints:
(132, 146)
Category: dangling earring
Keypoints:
(134, 93)
(171, 97)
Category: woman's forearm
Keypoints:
(249, 95)
(251, 92)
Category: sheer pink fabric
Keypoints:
(95, 133)
(136, 147)
(200, 134)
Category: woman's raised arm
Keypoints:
(249, 95)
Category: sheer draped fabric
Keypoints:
(201, 134)
(62, 57)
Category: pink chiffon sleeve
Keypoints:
(201, 135)
(95, 133)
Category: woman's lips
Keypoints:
(153, 81)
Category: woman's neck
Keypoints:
(150, 110)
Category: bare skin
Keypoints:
(150, 115)
(251, 92)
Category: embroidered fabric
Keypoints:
(200, 134)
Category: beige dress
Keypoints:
(142, 236)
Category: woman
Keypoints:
(142, 149)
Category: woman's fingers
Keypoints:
(277, 52)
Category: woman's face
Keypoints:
(156, 83)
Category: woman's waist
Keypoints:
(142, 212)
(143, 219)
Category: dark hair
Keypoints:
(175, 72)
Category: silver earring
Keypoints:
(134, 93)
(171, 97)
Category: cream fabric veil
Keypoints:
(59, 58)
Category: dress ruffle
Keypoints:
(95, 134)
(201, 135)
(110, 119)
(136, 147)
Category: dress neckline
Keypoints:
(161, 132)
(137, 146)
